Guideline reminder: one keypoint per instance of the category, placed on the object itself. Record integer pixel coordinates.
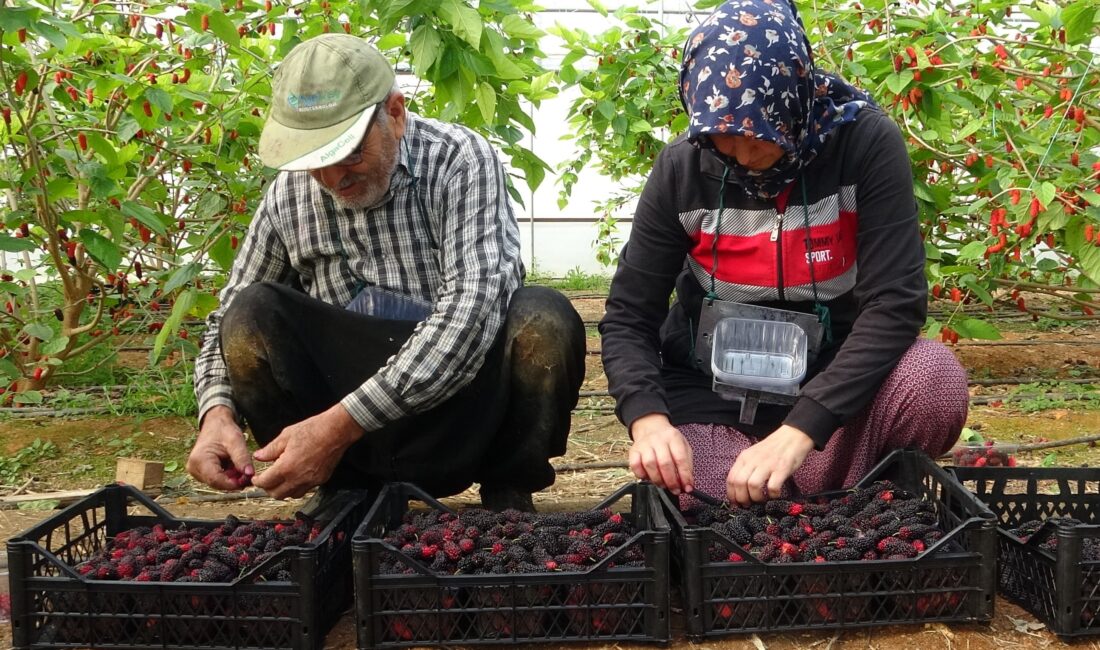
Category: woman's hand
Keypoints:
(763, 468)
(660, 453)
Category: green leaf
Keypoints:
(224, 28)
(391, 41)
(38, 331)
(897, 81)
(10, 244)
(103, 250)
(595, 4)
(1046, 193)
(171, 326)
(54, 346)
(974, 328)
(978, 290)
(1080, 21)
(970, 435)
(159, 98)
(181, 277)
(465, 21)
(425, 45)
(1050, 460)
(975, 250)
(640, 126)
(222, 253)
(171, 466)
(517, 27)
(486, 99)
(15, 18)
(104, 148)
(144, 215)
(607, 108)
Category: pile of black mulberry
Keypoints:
(220, 553)
(1090, 546)
(478, 541)
(876, 522)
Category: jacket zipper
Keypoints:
(776, 232)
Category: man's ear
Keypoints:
(395, 107)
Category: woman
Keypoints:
(790, 190)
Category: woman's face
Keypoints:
(751, 153)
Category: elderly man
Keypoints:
(374, 326)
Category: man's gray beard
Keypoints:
(368, 199)
(376, 190)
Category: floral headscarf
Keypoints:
(748, 70)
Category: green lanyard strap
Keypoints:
(822, 311)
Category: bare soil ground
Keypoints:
(89, 445)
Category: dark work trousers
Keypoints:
(290, 356)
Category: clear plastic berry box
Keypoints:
(53, 606)
(984, 454)
(1061, 586)
(420, 607)
(953, 580)
(759, 354)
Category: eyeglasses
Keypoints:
(356, 156)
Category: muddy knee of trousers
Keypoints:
(243, 330)
(546, 335)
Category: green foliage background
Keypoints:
(127, 147)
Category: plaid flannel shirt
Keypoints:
(456, 246)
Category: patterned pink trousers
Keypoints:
(922, 404)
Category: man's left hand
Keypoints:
(763, 468)
(305, 454)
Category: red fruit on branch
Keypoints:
(147, 108)
(137, 269)
(1075, 159)
(7, 115)
(20, 83)
(82, 140)
(233, 242)
(937, 290)
(1035, 208)
(956, 294)
(22, 34)
(38, 373)
(205, 22)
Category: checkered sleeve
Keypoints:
(479, 250)
(261, 257)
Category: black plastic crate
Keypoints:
(953, 580)
(603, 603)
(1060, 588)
(55, 607)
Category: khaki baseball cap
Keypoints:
(324, 94)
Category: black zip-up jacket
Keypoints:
(868, 269)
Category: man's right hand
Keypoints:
(660, 453)
(220, 457)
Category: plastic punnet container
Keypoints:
(759, 354)
(984, 454)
